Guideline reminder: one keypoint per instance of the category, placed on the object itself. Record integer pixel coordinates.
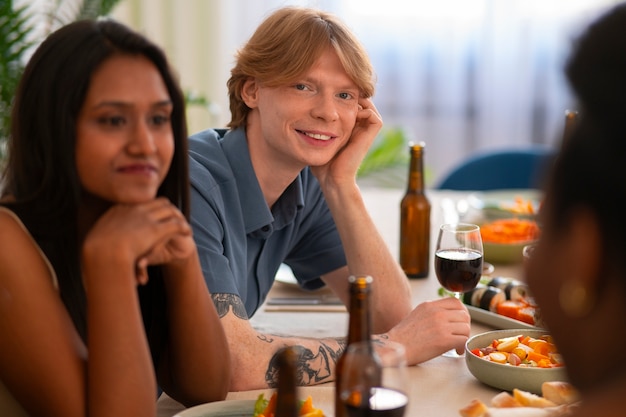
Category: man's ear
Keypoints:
(249, 92)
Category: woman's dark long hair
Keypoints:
(40, 175)
(589, 170)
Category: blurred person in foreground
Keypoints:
(101, 292)
(577, 272)
(281, 187)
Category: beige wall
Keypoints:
(188, 30)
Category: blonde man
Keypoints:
(280, 187)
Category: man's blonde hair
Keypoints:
(286, 45)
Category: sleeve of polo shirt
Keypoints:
(207, 221)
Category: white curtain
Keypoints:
(471, 75)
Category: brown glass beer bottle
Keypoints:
(286, 390)
(415, 219)
(359, 329)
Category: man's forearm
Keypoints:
(367, 253)
(253, 354)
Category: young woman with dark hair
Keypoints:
(101, 292)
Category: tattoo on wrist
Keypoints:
(229, 302)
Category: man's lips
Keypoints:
(317, 136)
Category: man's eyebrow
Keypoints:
(349, 86)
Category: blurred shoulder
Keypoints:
(20, 256)
(16, 243)
(10, 224)
(13, 234)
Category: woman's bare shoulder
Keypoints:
(11, 227)
(9, 221)
(19, 251)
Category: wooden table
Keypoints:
(439, 387)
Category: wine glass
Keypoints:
(458, 260)
(374, 381)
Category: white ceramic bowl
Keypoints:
(508, 377)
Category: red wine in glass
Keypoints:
(374, 383)
(458, 260)
(381, 402)
(458, 270)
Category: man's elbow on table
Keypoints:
(250, 353)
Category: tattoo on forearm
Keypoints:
(265, 338)
(335, 353)
(227, 302)
(311, 368)
(342, 347)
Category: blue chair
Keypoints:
(500, 170)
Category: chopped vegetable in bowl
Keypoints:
(510, 231)
(523, 351)
(267, 408)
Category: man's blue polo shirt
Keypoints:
(240, 240)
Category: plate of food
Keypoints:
(230, 408)
(499, 204)
(558, 398)
(504, 303)
(504, 239)
(496, 320)
(261, 407)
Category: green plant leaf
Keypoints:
(15, 41)
(14, 31)
(389, 150)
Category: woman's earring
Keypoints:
(575, 299)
